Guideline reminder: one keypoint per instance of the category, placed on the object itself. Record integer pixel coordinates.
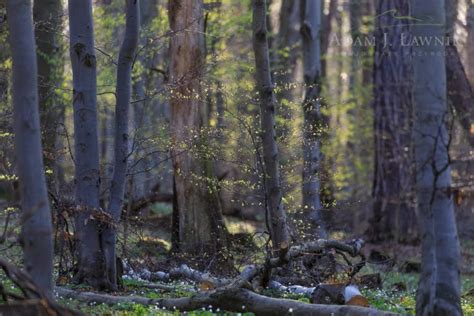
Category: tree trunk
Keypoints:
(439, 286)
(200, 221)
(121, 152)
(287, 42)
(310, 33)
(36, 235)
(273, 194)
(470, 42)
(48, 26)
(91, 267)
(394, 208)
(460, 91)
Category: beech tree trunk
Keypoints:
(460, 91)
(197, 218)
(273, 193)
(36, 234)
(312, 128)
(394, 208)
(122, 149)
(91, 267)
(439, 286)
(48, 26)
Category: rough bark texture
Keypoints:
(36, 235)
(310, 33)
(439, 286)
(460, 91)
(273, 194)
(48, 26)
(394, 209)
(91, 267)
(200, 224)
(122, 150)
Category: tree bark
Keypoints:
(36, 235)
(266, 97)
(48, 26)
(460, 91)
(200, 223)
(121, 152)
(287, 42)
(470, 41)
(312, 127)
(91, 267)
(394, 208)
(439, 286)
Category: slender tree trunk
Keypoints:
(200, 221)
(36, 235)
(326, 30)
(287, 42)
(394, 209)
(48, 26)
(141, 118)
(355, 17)
(91, 267)
(121, 152)
(310, 33)
(439, 286)
(325, 176)
(273, 194)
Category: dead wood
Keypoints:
(32, 301)
(229, 299)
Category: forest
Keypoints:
(226, 157)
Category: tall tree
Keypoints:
(273, 193)
(394, 207)
(36, 232)
(197, 217)
(310, 33)
(121, 152)
(48, 26)
(91, 268)
(439, 286)
(470, 40)
(287, 41)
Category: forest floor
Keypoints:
(148, 244)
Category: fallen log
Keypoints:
(228, 299)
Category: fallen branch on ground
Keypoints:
(250, 272)
(32, 299)
(228, 299)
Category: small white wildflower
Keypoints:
(243, 306)
(290, 310)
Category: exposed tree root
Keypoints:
(229, 299)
